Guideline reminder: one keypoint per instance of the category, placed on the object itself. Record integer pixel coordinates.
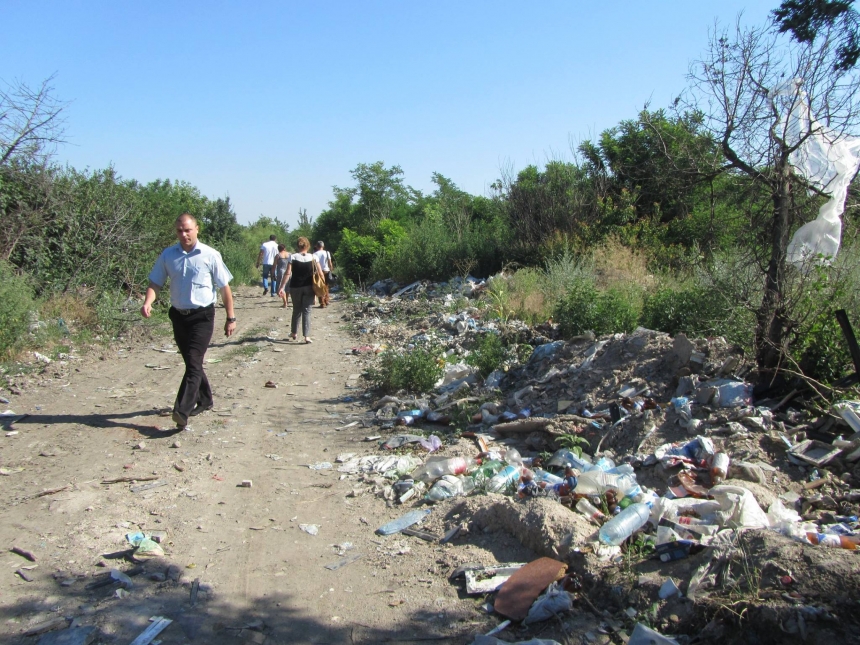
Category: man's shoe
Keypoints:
(179, 421)
(199, 409)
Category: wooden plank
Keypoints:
(158, 625)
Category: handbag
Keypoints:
(319, 285)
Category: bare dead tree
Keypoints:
(735, 86)
(31, 121)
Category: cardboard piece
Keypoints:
(525, 585)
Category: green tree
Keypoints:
(735, 87)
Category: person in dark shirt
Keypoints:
(300, 272)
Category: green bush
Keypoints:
(16, 307)
(357, 254)
(488, 354)
(692, 309)
(585, 308)
(239, 258)
(414, 371)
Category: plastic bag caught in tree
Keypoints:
(828, 161)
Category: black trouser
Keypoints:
(192, 333)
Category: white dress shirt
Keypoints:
(194, 275)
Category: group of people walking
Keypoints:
(197, 272)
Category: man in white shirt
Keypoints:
(326, 263)
(195, 271)
(267, 255)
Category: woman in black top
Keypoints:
(299, 274)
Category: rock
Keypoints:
(682, 349)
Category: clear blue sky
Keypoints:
(273, 103)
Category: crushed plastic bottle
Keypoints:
(436, 467)
(623, 525)
(598, 482)
(450, 486)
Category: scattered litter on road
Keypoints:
(310, 529)
(159, 624)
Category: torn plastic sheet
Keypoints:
(388, 465)
(828, 160)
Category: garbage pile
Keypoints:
(658, 442)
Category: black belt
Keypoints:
(185, 312)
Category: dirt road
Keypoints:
(98, 419)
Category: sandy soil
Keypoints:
(97, 418)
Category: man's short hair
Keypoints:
(272, 238)
(320, 244)
(186, 216)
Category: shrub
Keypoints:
(240, 257)
(693, 310)
(357, 254)
(16, 307)
(488, 354)
(414, 371)
(603, 312)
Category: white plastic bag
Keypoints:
(552, 603)
(828, 161)
(739, 508)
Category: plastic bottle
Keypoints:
(719, 467)
(562, 458)
(503, 478)
(623, 469)
(543, 476)
(605, 464)
(513, 457)
(597, 482)
(591, 511)
(623, 525)
(436, 467)
(450, 486)
(832, 540)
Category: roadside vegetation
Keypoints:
(676, 219)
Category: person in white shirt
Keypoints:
(195, 271)
(326, 263)
(268, 253)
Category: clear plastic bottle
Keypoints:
(563, 457)
(623, 525)
(597, 482)
(436, 467)
(543, 476)
(605, 464)
(513, 457)
(450, 486)
(506, 476)
(591, 511)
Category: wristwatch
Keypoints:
(229, 320)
